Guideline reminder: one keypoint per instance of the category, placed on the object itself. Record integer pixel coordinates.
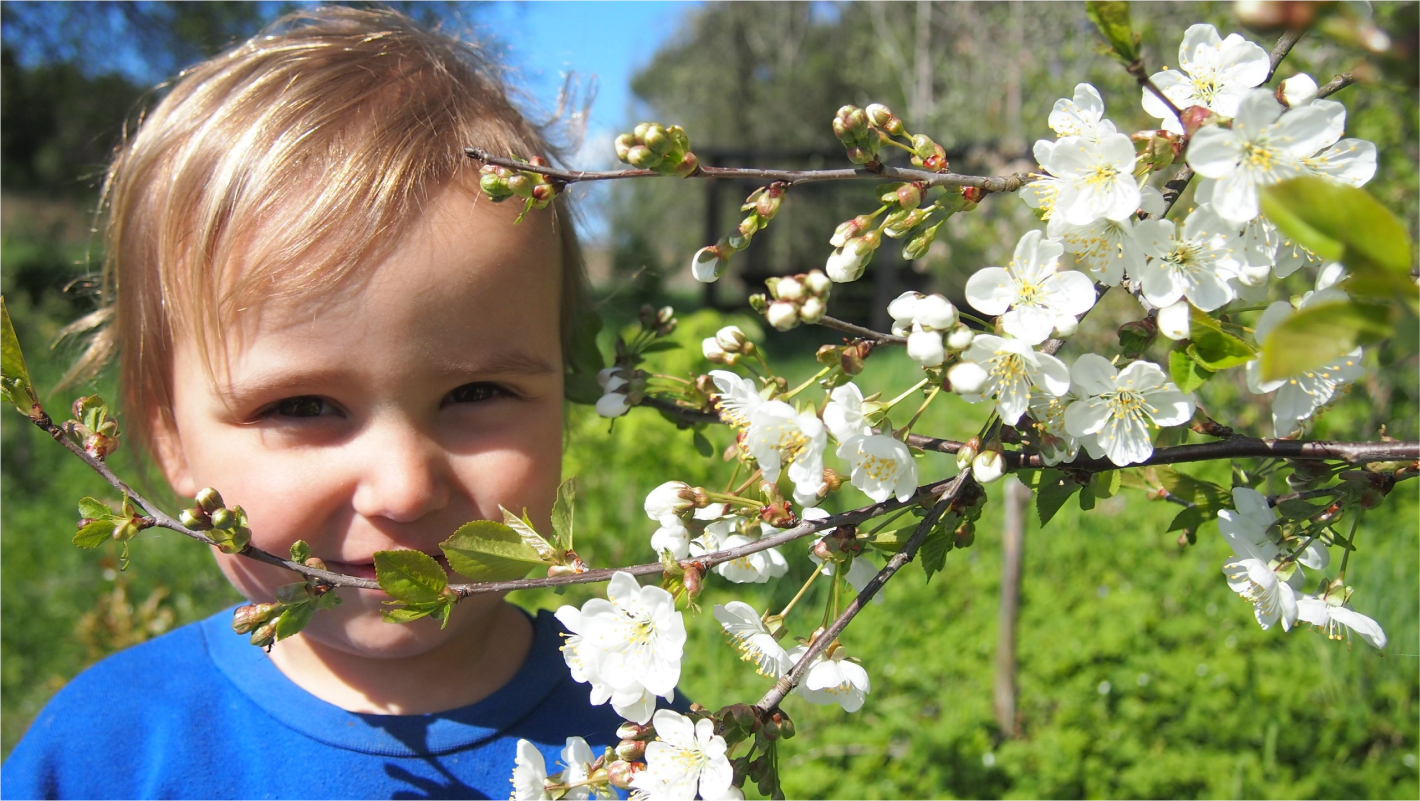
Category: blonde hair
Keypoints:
(337, 122)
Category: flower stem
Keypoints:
(725, 497)
(753, 477)
(889, 520)
(904, 396)
(817, 572)
(968, 316)
(806, 384)
(931, 396)
(1350, 545)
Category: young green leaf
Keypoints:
(92, 507)
(1106, 484)
(1192, 517)
(1321, 334)
(1343, 223)
(562, 511)
(410, 576)
(1112, 20)
(1052, 489)
(660, 345)
(525, 529)
(487, 551)
(584, 359)
(1186, 372)
(892, 540)
(293, 620)
(14, 375)
(1213, 348)
(95, 533)
(409, 612)
(702, 445)
(933, 552)
(1205, 494)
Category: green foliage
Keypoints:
(410, 576)
(15, 386)
(1343, 223)
(1322, 333)
(484, 550)
(1213, 348)
(1112, 20)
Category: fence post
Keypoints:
(1017, 499)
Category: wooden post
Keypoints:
(1016, 500)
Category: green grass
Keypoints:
(1200, 701)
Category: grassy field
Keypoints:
(1140, 675)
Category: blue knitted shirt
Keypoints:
(201, 713)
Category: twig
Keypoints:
(1241, 448)
(1005, 183)
(1136, 69)
(1336, 84)
(786, 683)
(861, 332)
(1284, 45)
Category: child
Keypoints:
(315, 313)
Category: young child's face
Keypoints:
(388, 415)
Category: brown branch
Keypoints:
(1284, 45)
(1005, 183)
(786, 683)
(1140, 75)
(1237, 448)
(859, 331)
(1335, 85)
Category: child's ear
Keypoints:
(167, 449)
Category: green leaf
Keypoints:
(562, 510)
(300, 551)
(1112, 20)
(15, 384)
(1212, 347)
(1186, 372)
(487, 551)
(95, 534)
(1206, 494)
(411, 576)
(1343, 223)
(92, 507)
(293, 620)
(1192, 517)
(892, 540)
(1087, 498)
(1297, 509)
(525, 529)
(702, 445)
(1105, 484)
(660, 345)
(1320, 334)
(934, 549)
(410, 612)
(1052, 489)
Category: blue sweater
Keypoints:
(201, 713)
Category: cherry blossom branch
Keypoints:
(859, 331)
(1004, 183)
(786, 683)
(1335, 85)
(1284, 45)
(1136, 69)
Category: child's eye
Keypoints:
(300, 406)
(476, 393)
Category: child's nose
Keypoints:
(404, 474)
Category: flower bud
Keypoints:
(972, 195)
(768, 203)
(694, 580)
(631, 750)
(248, 617)
(708, 264)
(832, 479)
(620, 773)
(826, 355)
(223, 519)
(613, 404)
(923, 147)
(879, 115)
(195, 519)
(903, 308)
(782, 314)
(848, 230)
(967, 378)
(264, 635)
(688, 166)
(858, 155)
(758, 302)
(748, 226)
(1195, 117)
(732, 339)
(520, 184)
(925, 348)
(641, 156)
(988, 466)
(918, 246)
(847, 263)
(1155, 149)
(714, 353)
(787, 289)
(655, 138)
(623, 145)
(968, 452)
(909, 196)
(960, 337)
(1065, 326)
(852, 356)
(812, 310)
(209, 499)
(965, 535)
(786, 726)
(935, 312)
(1297, 91)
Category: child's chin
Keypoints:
(356, 627)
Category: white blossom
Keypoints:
(1122, 407)
(1056, 444)
(1193, 262)
(833, 679)
(1332, 618)
(882, 466)
(934, 313)
(1096, 177)
(1029, 294)
(1298, 90)
(966, 378)
(687, 758)
(1250, 572)
(754, 568)
(1263, 146)
(613, 404)
(1081, 115)
(669, 501)
(530, 774)
(1175, 320)
(779, 435)
(1012, 369)
(1107, 248)
(846, 264)
(926, 348)
(628, 646)
(844, 413)
(706, 265)
(738, 398)
(903, 311)
(754, 642)
(1216, 73)
(988, 467)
